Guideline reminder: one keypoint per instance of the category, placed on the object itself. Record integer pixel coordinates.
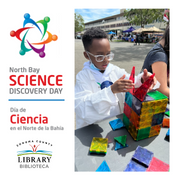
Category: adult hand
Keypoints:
(122, 85)
(145, 77)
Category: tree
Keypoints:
(143, 16)
(167, 12)
(79, 22)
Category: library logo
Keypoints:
(34, 154)
(27, 46)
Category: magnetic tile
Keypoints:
(136, 105)
(103, 167)
(144, 124)
(140, 93)
(128, 99)
(166, 122)
(148, 107)
(167, 113)
(148, 98)
(143, 133)
(127, 110)
(155, 130)
(121, 139)
(143, 155)
(119, 146)
(167, 135)
(167, 109)
(134, 166)
(142, 90)
(99, 145)
(116, 124)
(132, 76)
(134, 118)
(167, 138)
(133, 132)
(126, 121)
(146, 117)
(157, 165)
(157, 95)
(160, 106)
(157, 119)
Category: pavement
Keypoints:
(126, 55)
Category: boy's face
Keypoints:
(99, 47)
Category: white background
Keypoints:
(59, 59)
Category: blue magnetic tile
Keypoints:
(167, 135)
(157, 119)
(167, 109)
(134, 166)
(136, 105)
(119, 146)
(148, 98)
(103, 167)
(143, 156)
(116, 124)
(129, 98)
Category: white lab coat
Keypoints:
(93, 104)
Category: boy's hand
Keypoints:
(122, 85)
(145, 77)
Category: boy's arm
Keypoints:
(92, 106)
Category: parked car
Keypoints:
(78, 36)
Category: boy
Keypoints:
(93, 104)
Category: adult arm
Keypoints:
(160, 70)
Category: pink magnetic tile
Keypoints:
(157, 165)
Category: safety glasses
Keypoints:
(100, 58)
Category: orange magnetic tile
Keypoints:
(166, 122)
(155, 130)
(132, 130)
(134, 118)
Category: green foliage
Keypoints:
(79, 22)
(143, 16)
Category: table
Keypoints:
(116, 160)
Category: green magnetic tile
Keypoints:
(121, 139)
(99, 145)
(126, 121)
(143, 133)
(167, 113)
(157, 95)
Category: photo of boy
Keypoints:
(101, 86)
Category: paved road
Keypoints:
(126, 55)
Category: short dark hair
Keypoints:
(92, 33)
